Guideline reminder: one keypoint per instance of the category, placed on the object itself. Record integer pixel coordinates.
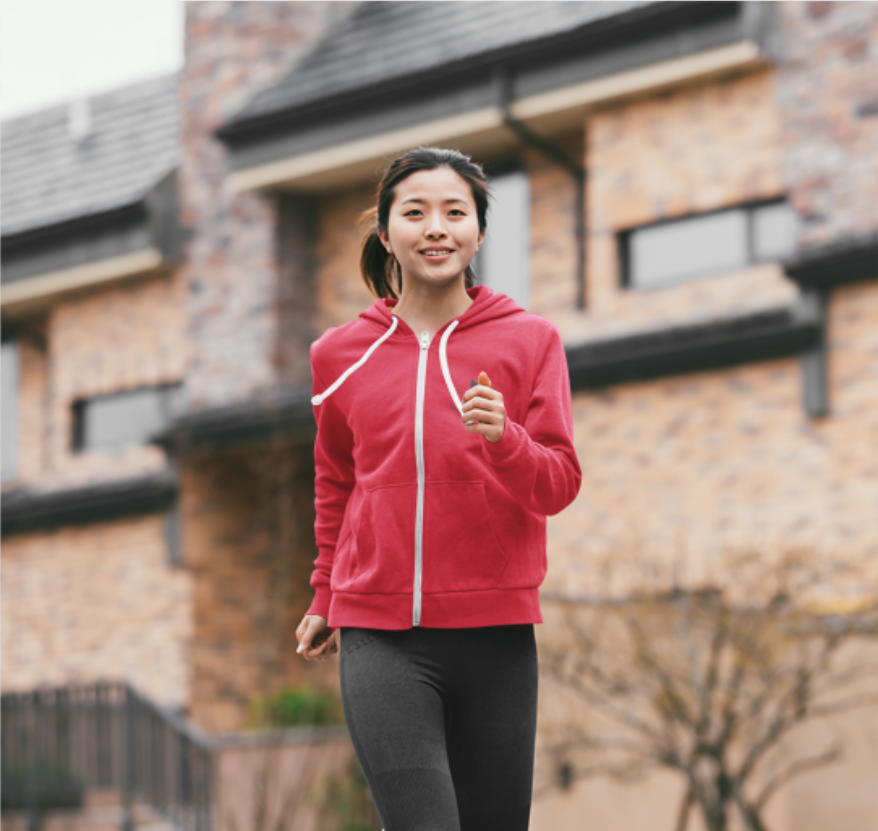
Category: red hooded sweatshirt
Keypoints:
(419, 521)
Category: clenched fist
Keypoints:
(483, 410)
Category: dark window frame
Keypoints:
(750, 206)
(79, 407)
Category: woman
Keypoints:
(445, 438)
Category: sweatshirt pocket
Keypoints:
(382, 558)
(461, 551)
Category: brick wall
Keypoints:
(687, 461)
(103, 342)
(248, 519)
(341, 292)
(828, 107)
(703, 458)
(693, 462)
(98, 601)
(695, 149)
(232, 274)
(553, 248)
(101, 599)
(33, 368)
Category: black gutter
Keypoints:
(847, 260)
(28, 510)
(770, 333)
(76, 226)
(817, 270)
(503, 85)
(287, 412)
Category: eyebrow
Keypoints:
(416, 199)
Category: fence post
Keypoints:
(128, 781)
(31, 767)
(211, 763)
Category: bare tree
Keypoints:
(706, 680)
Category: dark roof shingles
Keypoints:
(380, 41)
(49, 177)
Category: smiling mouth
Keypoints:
(436, 253)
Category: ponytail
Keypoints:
(380, 268)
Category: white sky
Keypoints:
(53, 50)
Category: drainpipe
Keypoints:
(503, 88)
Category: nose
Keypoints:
(435, 229)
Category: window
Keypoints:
(503, 260)
(9, 404)
(124, 419)
(667, 253)
(773, 230)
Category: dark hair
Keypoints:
(380, 270)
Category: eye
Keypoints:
(417, 211)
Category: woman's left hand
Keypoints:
(483, 410)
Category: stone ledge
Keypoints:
(770, 333)
(286, 412)
(846, 260)
(25, 509)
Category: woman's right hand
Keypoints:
(317, 641)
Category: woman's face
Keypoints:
(433, 211)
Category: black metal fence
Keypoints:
(59, 742)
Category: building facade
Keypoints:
(686, 190)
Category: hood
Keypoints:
(487, 305)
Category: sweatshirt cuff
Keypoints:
(506, 447)
(320, 604)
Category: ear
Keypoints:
(382, 235)
(481, 237)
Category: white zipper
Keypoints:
(419, 457)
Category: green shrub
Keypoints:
(298, 706)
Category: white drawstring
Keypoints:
(444, 361)
(321, 397)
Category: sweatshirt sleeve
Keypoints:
(536, 461)
(334, 479)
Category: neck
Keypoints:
(429, 308)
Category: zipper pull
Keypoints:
(425, 340)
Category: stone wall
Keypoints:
(827, 104)
(97, 602)
(232, 274)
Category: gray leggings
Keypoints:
(443, 722)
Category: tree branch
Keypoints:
(799, 766)
(685, 806)
(790, 708)
(606, 705)
(647, 657)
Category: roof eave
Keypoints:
(317, 149)
(846, 260)
(643, 19)
(139, 238)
